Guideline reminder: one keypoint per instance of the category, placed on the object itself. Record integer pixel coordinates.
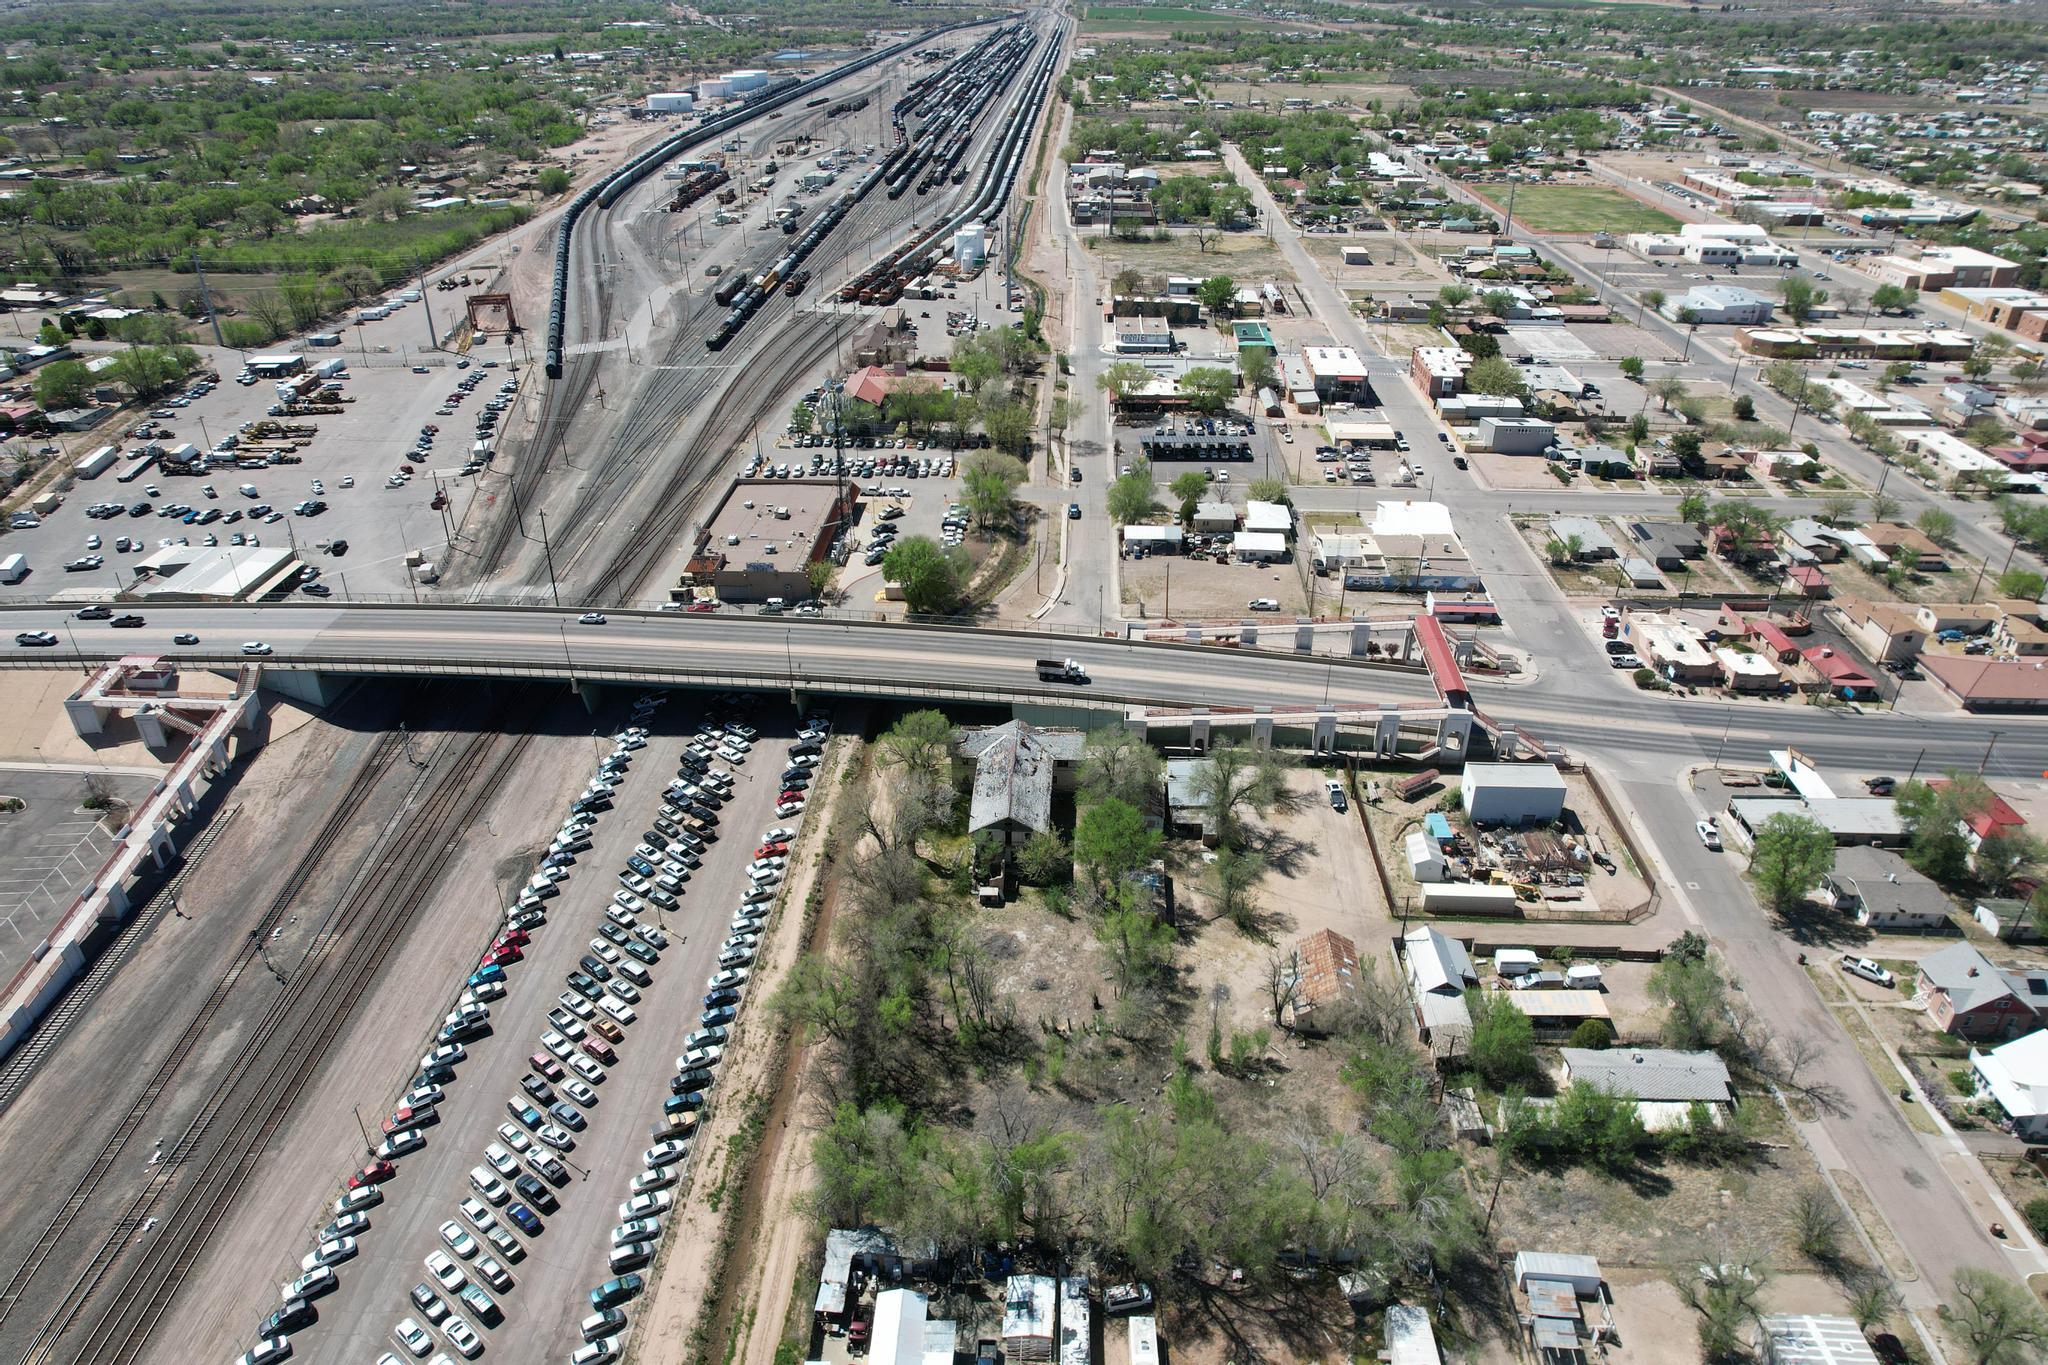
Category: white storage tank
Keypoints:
(714, 89)
(970, 245)
(671, 102)
(743, 81)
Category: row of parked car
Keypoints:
(666, 854)
(519, 1174)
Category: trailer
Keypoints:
(97, 463)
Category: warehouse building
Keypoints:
(1512, 793)
(763, 537)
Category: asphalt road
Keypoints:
(568, 1257)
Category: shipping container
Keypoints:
(97, 463)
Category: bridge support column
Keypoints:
(1193, 635)
(252, 715)
(85, 718)
(314, 689)
(161, 849)
(1198, 732)
(149, 724)
(1361, 636)
(1248, 634)
(117, 904)
(1325, 738)
(1386, 736)
(1262, 728)
(1454, 735)
(589, 693)
(1304, 639)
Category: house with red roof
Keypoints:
(1842, 674)
(1981, 684)
(1990, 816)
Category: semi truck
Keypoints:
(1061, 670)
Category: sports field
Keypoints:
(1579, 208)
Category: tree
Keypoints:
(1744, 408)
(1818, 1225)
(1232, 876)
(1496, 303)
(1454, 296)
(1188, 486)
(552, 180)
(1651, 299)
(1727, 1299)
(1790, 855)
(1632, 368)
(149, 371)
(1131, 498)
(62, 384)
(1112, 840)
(1496, 377)
(1236, 781)
(1839, 509)
(975, 361)
(1268, 490)
(802, 418)
(1668, 390)
(1934, 818)
(1128, 282)
(930, 577)
(1998, 1320)
(1209, 388)
(1119, 763)
(2006, 856)
(1502, 1047)
(1937, 524)
(1891, 298)
(1218, 294)
(1123, 379)
(1257, 367)
(1898, 372)
(1883, 507)
(989, 489)
(1696, 1001)
(1800, 296)
(1008, 426)
(1692, 509)
(921, 743)
(2022, 583)
(1638, 429)
(1045, 860)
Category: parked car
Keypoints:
(1868, 970)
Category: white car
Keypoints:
(660, 1178)
(487, 1185)
(1710, 836)
(463, 1338)
(445, 1272)
(515, 1137)
(665, 1153)
(636, 1230)
(505, 1244)
(255, 647)
(1868, 970)
(458, 1240)
(333, 1251)
(492, 1273)
(617, 1009)
(477, 1214)
(576, 1005)
(413, 1337)
(501, 1160)
(588, 1069)
(642, 1205)
(579, 1092)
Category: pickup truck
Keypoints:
(1061, 670)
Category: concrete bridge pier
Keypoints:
(1361, 636)
(1198, 732)
(589, 693)
(1324, 740)
(314, 689)
(1262, 728)
(1304, 639)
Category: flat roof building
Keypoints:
(1512, 793)
(226, 573)
(762, 538)
(1338, 374)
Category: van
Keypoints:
(634, 973)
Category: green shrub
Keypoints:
(1594, 1033)
(2036, 1212)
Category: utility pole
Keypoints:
(549, 551)
(419, 276)
(206, 298)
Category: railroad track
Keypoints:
(194, 1032)
(23, 1064)
(314, 1007)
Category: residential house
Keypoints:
(1016, 766)
(1989, 817)
(1667, 544)
(1809, 542)
(1880, 890)
(1840, 674)
(1966, 995)
(1663, 1082)
(1439, 971)
(2014, 1077)
(1327, 971)
(1594, 542)
(1810, 581)
(1907, 545)
(1887, 633)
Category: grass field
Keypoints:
(1579, 208)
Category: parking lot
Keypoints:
(553, 1263)
(387, 398)
(48, 850)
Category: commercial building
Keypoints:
(1851, 819)
(763, 536)
(1857, 343)
(1669, 645)
(1719, 303)
(226, 573)
(1515, 435)
(1439, 371)
(1512, 793)
(1337, 374)
(1942, 267)
(1881, 890)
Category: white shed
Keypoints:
(1514, 962)
(1259, 546)
(1425, 857)
(1582, 1273)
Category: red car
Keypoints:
(406, 1116)
(514, 935)
(791, 794)
(774, 850)
(600, 1049)
(502, 954)
(546, 1065)
(376, 1173)
(702, 606)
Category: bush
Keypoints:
(2036, 1212)
(1594, 1033)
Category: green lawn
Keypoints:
(1579, 208)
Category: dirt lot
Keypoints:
(1246, 257)
(1651, 1319)
(1190, 589)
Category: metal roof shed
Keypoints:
(1410, 1338)
(899, 1328)
(1077, 1343)
(1582, 1273)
